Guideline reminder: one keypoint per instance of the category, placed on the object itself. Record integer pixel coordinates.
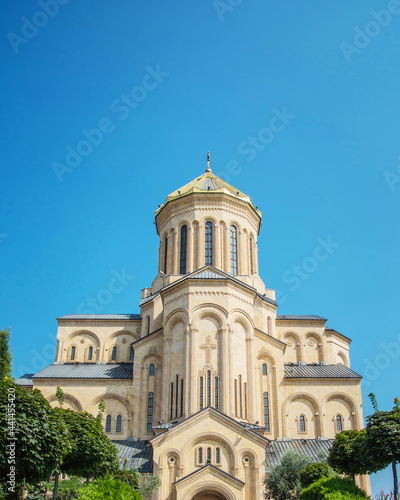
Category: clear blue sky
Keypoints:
(298, 103)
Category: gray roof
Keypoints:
(319, 371)
(138, 453)
(316, 449)
(87, 370)
(300, 317)
(101, 316)
(25, 380)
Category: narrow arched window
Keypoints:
(183, 250)
(240, 396)
(209, 244)
(208, 455)
(209, 388)
(200, 455)
(165, 254)
(339, 423)
(90, 353)
(108, 423)
(216, 393)
(201, 393)
(131, 354)
(114, 353)
(264, 369)
(73, 351)
(148, 325)
(234, 263)
(150, 412)
(217, 455)
(302, 423)
(118, 427)
(151, 370)
(177, 396)
(251, 254)
(172, 400)
(266, 411)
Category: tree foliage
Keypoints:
(5, 354)
(32, 431)
(383, 431)
(284, 481)
(350, 453)
(313, 472)
(92, 454)
(110, 488)
(335, 488)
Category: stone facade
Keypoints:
(217, 374)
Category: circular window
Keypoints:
(171, 460)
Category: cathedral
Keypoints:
(207, 386)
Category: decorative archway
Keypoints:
(209, 495)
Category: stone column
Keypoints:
(251, 386)
(176, 252)
(216, 247)
(200, 246)
(192, 360)
(186, 411)
(227, 250)
(166, 370)
(190, 249)
(224, 363)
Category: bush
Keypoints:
(69, 489)
(313, 472)
(109, 488)
(333, 489)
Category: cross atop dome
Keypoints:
(208, 169)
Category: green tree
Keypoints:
(110, 488)
(383, 431)
(92, 454)
(350, 453)
(284, 481)
(335, 488)
(32, 439)
(5, 354)
(313, 472)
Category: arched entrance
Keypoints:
(209, 495)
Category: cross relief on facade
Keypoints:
(208, 347)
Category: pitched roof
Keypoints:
(98, 317)
(25, 380)
(212, 467)
(319, 371)
(87, 370)
(299, 317)
(314, 448)
(139, 454)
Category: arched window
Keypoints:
(181, 396)
(90, 353)
(200, 455)
(201, 393)
(131, 355)
(73, 351)
(208, 455)
(216, 393)
(209, 388)
(148, 325)
(150, 412)
(266, 411)
(251, 254)
(209, 244)
(172, 400)
(114, 353)
(165, 254)
(108, 423)
(302, 423)
(217, 455)
(264, 369)
(151, 370)
(118, 427)
(234, 264)
(183, 250)
(339, 423)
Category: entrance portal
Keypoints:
(209, 495)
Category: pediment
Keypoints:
(208, 272)
(209, 474)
